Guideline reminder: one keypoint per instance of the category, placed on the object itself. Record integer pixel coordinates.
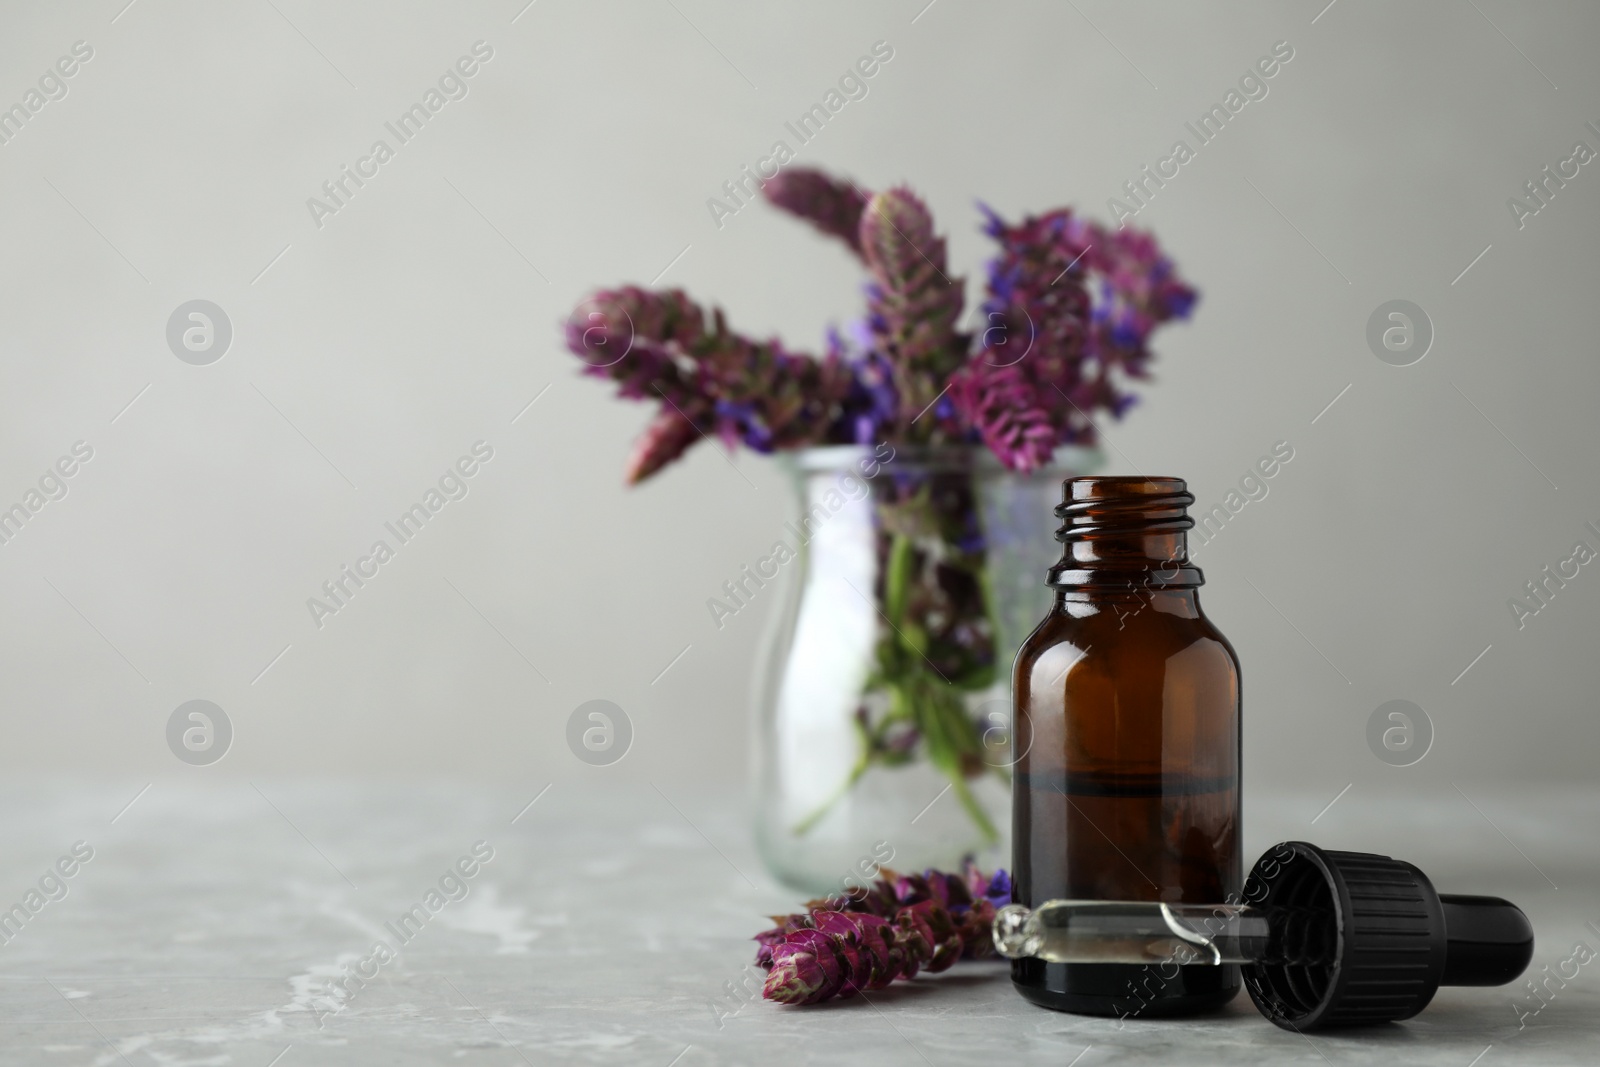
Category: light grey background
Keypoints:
(370, 353)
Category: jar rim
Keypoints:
(1067, 461)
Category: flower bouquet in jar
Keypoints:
(1060, 337)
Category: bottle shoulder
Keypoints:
(1121, 631)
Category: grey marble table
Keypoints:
(213, 925)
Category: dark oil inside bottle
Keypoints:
(1127, 711)
(1107, 837)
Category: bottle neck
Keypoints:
(1125, 533)
(1081, 601)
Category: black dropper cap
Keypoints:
(1395, 940)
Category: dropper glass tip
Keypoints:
(1012, 936)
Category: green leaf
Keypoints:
(976, 680)
(897, 579)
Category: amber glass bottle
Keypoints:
(1126, 783)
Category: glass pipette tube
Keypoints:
(1130, 931)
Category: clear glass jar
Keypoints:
(911, 577)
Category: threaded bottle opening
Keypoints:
(1125, 530)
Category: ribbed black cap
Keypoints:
(1390, 942)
